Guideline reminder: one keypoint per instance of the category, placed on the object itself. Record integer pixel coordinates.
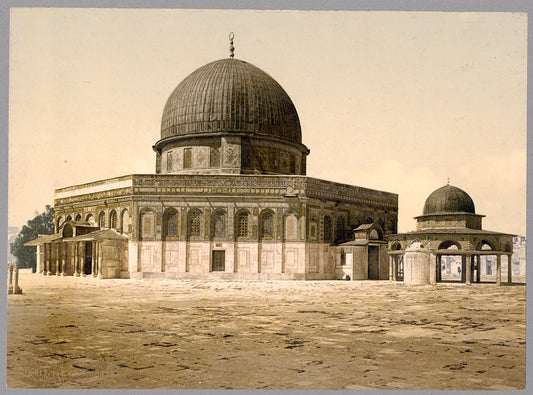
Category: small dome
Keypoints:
(230, 95)
(449, 199)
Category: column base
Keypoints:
(76, 274)
(93, 275)
(49, 273)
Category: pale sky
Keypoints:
(396, 101)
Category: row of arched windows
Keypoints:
(110, 220)
(242, 226)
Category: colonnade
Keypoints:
(69, 258)
(470, 266)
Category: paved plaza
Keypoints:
(75, 332)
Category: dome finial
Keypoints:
(231, 47)
(448, 181)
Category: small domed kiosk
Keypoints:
(449, 244)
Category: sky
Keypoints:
(395, 101)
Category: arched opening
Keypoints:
(101, 220)
(69, 218)
(242, 224)
(291, 227)
(113, 219)
(397, 262)
(267, 226)
(125, 222)
(90, 218)
(485, 264)
(450, 263)
(218, 224)
(147, 224)
(170, 223)
(78, 217)
(194, 223)
(68, 230)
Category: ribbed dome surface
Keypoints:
(230, 95)
(449, 199)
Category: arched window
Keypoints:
(218, 224)
(267, 225)
(69, 218)
(214, 157)
(195, 223)
(187, 158)
(101, 220)
(170, 223)
(125, 222)
(59, 221)
(90, 218)
(291, 227)
(326, 228)
(68, 231)
(242, 224)
(170, 165)
(113, 219)
(78, 217)
(339, 231)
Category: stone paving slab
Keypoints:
(69, 332)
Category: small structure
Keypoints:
(364, 257)
(448, 227)
(13, 279)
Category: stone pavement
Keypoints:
(86, 333)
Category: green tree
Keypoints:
(42, 224)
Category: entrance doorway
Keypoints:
(88, 261)
(373, 263)
(219, 261)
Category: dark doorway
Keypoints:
(373, 263)
(88, 262)
(219, 261)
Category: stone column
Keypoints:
(58, 258)
(94, 262)
(391, 266)
(100, 260)
(74, 257)
(498, 269)
(439, 268)
(395, 262)
(468, 264)
(77, 259)
(509, 269)
(64, 250)
(433, 268)
(478, 271)
(46, 258)
(463, 268)
(10, 288)
(16, 288)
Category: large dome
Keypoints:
(230, 95)
(449, 199)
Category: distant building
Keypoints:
(519, 255)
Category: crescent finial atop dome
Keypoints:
(231, 47)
